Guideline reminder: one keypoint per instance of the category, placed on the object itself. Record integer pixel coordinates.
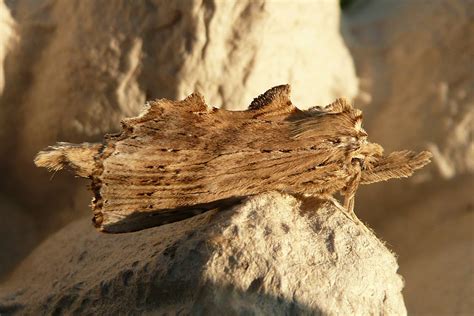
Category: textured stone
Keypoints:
(7, 38)
(269, 255)
(415, 60)
(81, 66)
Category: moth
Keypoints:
(177, 157)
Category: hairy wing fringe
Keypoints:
(79, 157)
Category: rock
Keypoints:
(82, 66)
(7, 38)
(272, 254)
(419, 74)
(18, 235)
(89, 69)
(17, 230)
(415, 61)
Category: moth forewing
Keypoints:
(179, 158)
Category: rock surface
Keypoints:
(7, 37)
(416, 62)
(79, 67)
(19, 230)
(269, 255)
(419, 73)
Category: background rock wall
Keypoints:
(415, 60)
(270, 255)
(80, 66)
(7, 37)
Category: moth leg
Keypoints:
(349, 202)
(351, 188)
(336, 203)
(349, 195)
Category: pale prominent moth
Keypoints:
(181, 156)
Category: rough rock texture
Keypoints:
(7, 38)
(419, 73)
(269, 255)
(80, 66)
(415, 60)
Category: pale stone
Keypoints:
(7, 38)
(82, 66)
(420, 74)
(415, 59)
(270, 255)
(248, 46)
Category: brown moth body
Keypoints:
(180, 157)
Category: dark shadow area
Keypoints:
(147, 219)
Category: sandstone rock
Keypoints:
(415, 60)
(270, 255)
(419, 74)
(7, 36)
(82, 66)
(15, 232)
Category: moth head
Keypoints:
(368, 154)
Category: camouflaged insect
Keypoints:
(181, 157)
